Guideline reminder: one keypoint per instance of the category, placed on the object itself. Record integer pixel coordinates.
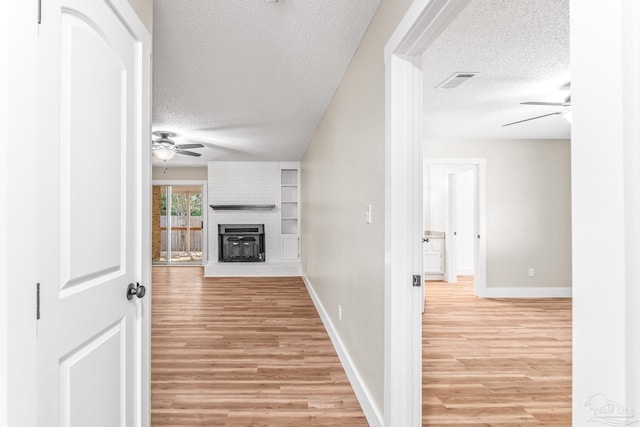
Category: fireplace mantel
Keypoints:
(242, 207)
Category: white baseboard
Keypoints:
(374, 417)
(530, 292)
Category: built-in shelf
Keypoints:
(289, 210)
(243, 207)
(289, 226)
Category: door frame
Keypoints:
(606, 345)
(18, 107)
(421, 25)
(205, 217)
(480, 248)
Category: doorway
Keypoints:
(178, 225)
(454, 207)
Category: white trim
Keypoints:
(528, 292)
(5, 107)
(374, 417)
(604, 163)
(631, 99)
(400, 343)
(18, 184)
(422, 24)
(145, 41)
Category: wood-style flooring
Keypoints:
(253, 352)
(495, 362)
(243, 352)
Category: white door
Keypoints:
(451, 268)
(91, 204)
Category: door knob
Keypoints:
(135, 290)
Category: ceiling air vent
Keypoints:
(455, 80)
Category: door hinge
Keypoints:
(417, 280)
(37, 301)
(39, 12)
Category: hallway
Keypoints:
(243, 352)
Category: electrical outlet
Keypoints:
(532, 272)
(339, 312)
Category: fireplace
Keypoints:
(241, 243)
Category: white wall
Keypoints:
(605, 62)
(436, 196)
(528, 208)
(342, 173)
(240, 183)
(179, 174)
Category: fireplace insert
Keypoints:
(241, 243)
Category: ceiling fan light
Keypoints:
(164, 153)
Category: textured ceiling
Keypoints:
(250, 79)
(521, 50)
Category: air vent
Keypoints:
(455, 80)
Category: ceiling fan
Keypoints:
(165, 148)
(566, 103)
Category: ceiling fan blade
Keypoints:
(533, 118)
(551, 104)
(181, 146)
(189, 153)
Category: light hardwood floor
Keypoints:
(253, 352)
(495, 362)
(243, 352)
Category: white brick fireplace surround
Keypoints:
(247, 183)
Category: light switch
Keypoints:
(367, 213)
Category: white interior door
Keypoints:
(451, 267)
(91, 205)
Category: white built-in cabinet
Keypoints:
(290, 210)
(434, 256)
